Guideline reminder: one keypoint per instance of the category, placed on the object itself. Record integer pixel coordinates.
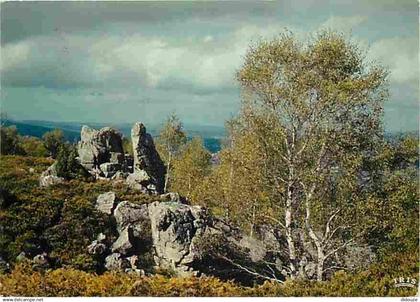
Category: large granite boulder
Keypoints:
(116, 262)
(184, 239)
(147, 163)
(125, 242)
(97, 147)
(106, 203)
(129, 214)
(175, 230)
(133, 227)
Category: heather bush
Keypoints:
(60, 219)
(375, 281)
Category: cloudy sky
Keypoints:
(120, 62)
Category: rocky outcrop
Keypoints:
(101, 150)
(49, 177)
(106, 203)
(101, 153)
(129, 214)
(175, 230)
(116, 262)
(181, 238)
(149, 170)
(123, 244)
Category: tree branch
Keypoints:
(275, 220)
(249, 271)
(338, 248)
(327, 226)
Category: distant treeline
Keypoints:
(71, 131)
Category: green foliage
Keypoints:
(313, 110)
(67, 164)
(236, 188)
(171, 138)
(16, 175)
(33, 146)
(190, 168)
(127, 145)
(10, 141)
(392, 207)
(52, 141)
(60, 219)
(376, 281)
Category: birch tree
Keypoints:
(171, 138)
(316, 111)
(190, 168)
(235, 188)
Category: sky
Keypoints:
(140, 61)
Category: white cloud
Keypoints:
(208, 38)
(120, 60)
(12, 55)
(187, 62)
(343, 23)
(190, 62)
(400, 55)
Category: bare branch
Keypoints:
(275, 220)
(327, 226)
(338, 248)
(249, 271)
(331, 236)
(335, 268)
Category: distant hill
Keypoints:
(211, 135)
(30, 129)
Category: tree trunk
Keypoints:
(320, 265)
(251, 231)
(289, 233)
(314, 237)
(168, 168)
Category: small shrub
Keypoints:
(53, 140)
(67, 165)
(10, 141)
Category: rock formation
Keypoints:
(106, 203)
(149, 170)
(115, 262)
(101, 150)
(164, 232)
(101, 153)
(184, 239)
